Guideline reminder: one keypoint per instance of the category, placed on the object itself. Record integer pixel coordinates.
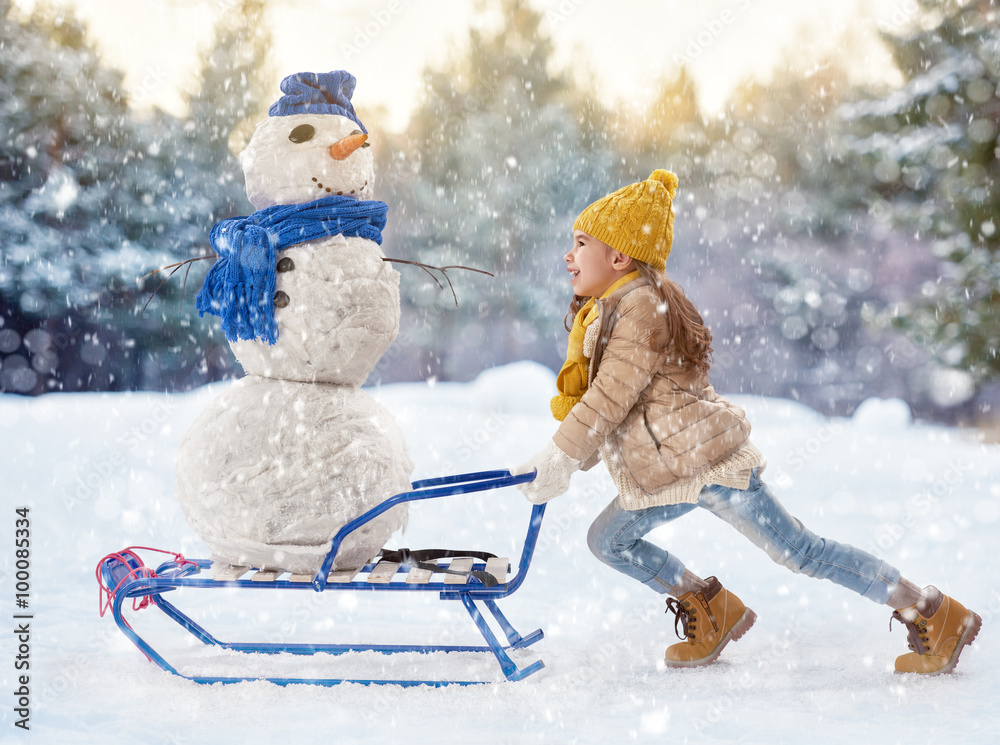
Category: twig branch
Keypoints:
(178, 264)
(173, 270)
(444, 272)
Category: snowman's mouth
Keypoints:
(339, 192)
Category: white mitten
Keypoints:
(554, 468)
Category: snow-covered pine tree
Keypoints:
(505, 153)
(75, 236)
(932, 150)
(779, 201)
(93, 198)
(233, 93)
(180, 350)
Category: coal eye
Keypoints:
(286, 265)
(302, 133)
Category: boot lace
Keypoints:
(684, 616)
(916, 635)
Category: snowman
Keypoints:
(278, 463)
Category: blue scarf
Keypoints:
(240, 285)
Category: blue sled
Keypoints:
(124, 577)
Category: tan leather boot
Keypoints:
(711, 618)
(938, 628)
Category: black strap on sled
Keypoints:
(421, 559)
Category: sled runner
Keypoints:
(474, 578)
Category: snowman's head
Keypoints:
(312, 145)
(299, 158)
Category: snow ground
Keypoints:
(97, 472)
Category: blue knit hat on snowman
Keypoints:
(240, 286)
(318, 93)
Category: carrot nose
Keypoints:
(347, 145)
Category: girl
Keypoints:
(634, 392)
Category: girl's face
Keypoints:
(593, 265)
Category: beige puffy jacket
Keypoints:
(663, 425)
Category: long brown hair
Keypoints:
(686, 330)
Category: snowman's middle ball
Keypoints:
(339, 313)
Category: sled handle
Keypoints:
(443, 486)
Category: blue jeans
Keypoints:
(616, 539)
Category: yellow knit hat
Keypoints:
(638, 219)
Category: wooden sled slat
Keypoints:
(228, 572)
(459, 565)
(418, 576)
(265, 576)
(344, 575)
(498, 568)
(383, 573)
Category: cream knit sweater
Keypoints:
(733, 471)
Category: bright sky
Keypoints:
(627, 45)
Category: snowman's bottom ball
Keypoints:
(272, 469)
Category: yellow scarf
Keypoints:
(573, 377)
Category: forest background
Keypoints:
(840, 239)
